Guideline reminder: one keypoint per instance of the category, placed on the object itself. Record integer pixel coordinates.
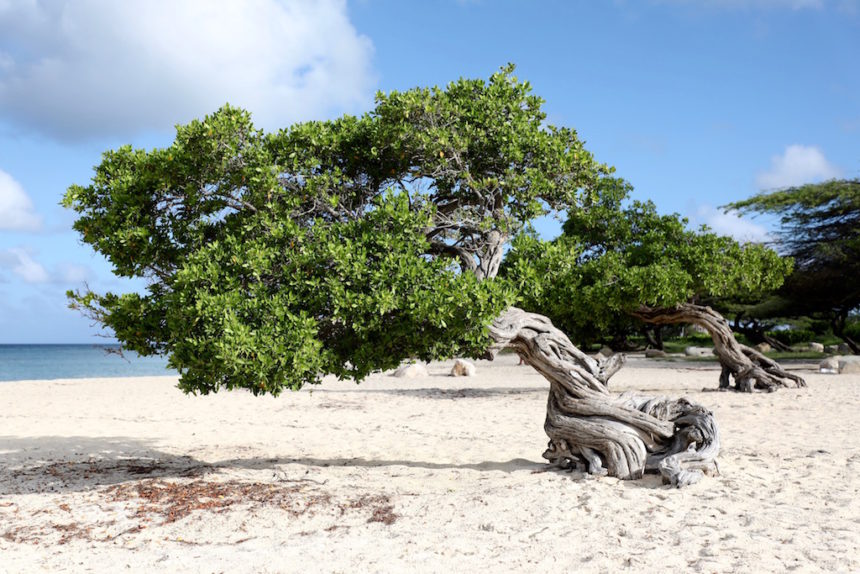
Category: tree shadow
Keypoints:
(455, 393)
(68, 464)
(512, 465)
(652, 480)
(57, 464)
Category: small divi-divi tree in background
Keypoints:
(616, 261)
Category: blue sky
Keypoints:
(696, 103)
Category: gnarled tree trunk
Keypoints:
(654, 335)
(749, 368)
(623, 436)
(755, 331)
(837, 322)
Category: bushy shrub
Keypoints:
(792, 336)
(820, 327)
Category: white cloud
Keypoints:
(22, 264)
(16, 209)
(731, 224)
(83, 68)
(71, 273)
(796, 166)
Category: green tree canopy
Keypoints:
(613, 259)
(337, 247)
(820, 229)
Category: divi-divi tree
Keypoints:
(344, 247)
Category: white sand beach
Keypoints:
(435, 474)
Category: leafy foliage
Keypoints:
(337, 247)
(792, 336)
(613, 259)
(820, 228)
(820, 222)
(478, 151)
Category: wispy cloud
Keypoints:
(731, 224)
(851, 125)
(796, 166)
(72, 273)
(16, 209)
(84, 68)
(21, 262)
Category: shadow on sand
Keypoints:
(78, 464)
(441, 393)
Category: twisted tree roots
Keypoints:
(623, 436)
(749, 368)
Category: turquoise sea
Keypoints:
(25, 362)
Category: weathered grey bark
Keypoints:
(776, 343)
(749, 368)
(623, 436)
(490, 254)
(654, 335)
(481, 255)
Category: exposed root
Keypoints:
(588, 427)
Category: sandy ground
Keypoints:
(436, 474)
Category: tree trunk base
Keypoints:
(589, 428)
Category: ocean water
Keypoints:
(25, 362)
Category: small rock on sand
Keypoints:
(699, 351)
(463, 368)
(850, 364)
(655, 354)
(411, 371)
(829, 365)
